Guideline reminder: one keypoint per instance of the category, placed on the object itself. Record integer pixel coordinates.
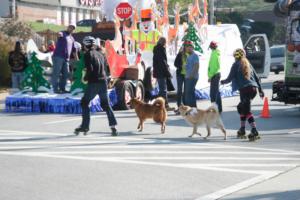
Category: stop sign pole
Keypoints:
(124, 10)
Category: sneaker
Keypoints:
(114, 132)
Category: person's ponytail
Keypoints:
(246, 69)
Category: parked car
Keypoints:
(277, 58)
(246, 28)
(86, 22)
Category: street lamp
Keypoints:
(13, 7)
(212, 12)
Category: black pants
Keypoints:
(91, 91)
(162, 85)
(215, 95)
(246, 95)
(189, 92)
(180, 85)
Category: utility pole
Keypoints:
(13, 9)
(212, 12)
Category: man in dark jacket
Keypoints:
(161, 68)
(100, 47)
(17, 62)
(97, 84)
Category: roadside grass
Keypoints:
(237, 5)
(39, 26)
(246, 5)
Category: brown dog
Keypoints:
(196, 117)
(157, 111)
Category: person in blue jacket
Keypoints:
(245, 80)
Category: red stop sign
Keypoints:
(124, 10)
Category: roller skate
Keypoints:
(114, 132)
(241, 134)
(253, 136)
(81, 130)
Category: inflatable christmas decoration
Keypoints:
(78, 85)
(146, 36)
(34, 79)
(192, 35)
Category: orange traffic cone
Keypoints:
(265, 113)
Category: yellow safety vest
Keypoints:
(149, 39)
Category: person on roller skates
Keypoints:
(244, 78)
(97, 84)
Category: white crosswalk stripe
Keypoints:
(261, 162)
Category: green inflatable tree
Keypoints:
(78, 85)
(33, 76)
(193, 36)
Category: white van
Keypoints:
(277, 58)
(258, 53)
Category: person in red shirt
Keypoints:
(51, 46)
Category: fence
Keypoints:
(43, 37)
(46, 35)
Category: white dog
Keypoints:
(196, 117)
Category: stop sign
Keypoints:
(124, 10)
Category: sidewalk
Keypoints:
(283, 187)
(3, 94)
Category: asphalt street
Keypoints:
(42, 159)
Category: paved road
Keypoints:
(42, 159)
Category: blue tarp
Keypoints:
(45, 103)
(49, 103)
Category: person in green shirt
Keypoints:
(214, 75)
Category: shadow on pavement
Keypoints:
(36, 139)
(174, 141)
(121, 134)
(288, 195)
(281, 119)
(54, 147)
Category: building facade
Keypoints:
(61, 12)
(4, 8)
